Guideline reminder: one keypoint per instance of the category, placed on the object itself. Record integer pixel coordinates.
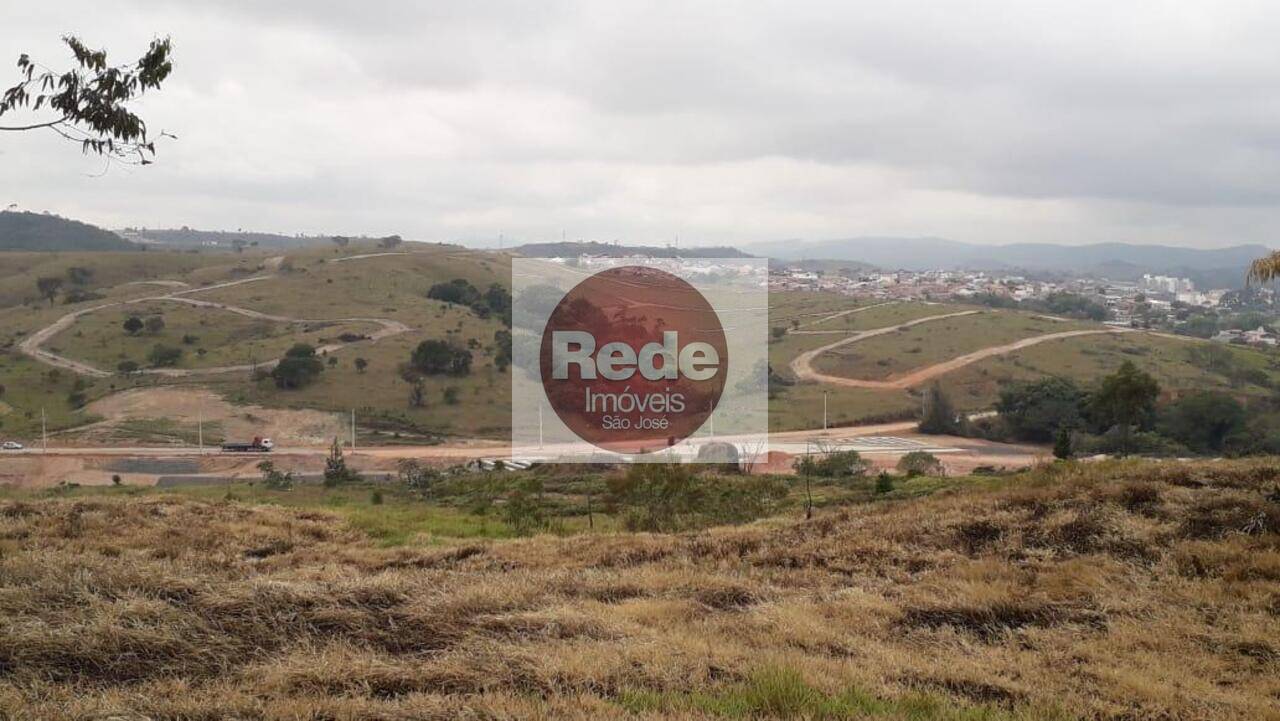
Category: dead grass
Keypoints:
(1119, 590)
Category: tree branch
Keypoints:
(49, 124)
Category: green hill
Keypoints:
(37, 231)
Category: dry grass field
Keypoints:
(1122, 590)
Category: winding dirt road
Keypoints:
(802, 366)
(31, 345)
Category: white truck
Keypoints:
(257, 445)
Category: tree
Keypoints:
(1062, 444)
(155, 324)
(49, 287)
(417, 394)
(164, 356)
(341, 241)
(1203, 421)
(389, 242)
(1035, 411)
(361, 364)
(458, 291)
(89, 103)
(298, 369)
(336, 472)
(920, 463)
(133, 324)
(501, 349)
(1126, 398)
(938, 416)
(436, 357)
(127, 366)
(1264, 269)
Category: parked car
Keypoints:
(11, 446)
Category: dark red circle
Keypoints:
(634, 305)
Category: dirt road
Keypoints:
(802, 365)
(31, 345)
(806, 371)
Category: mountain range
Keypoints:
(1208, 267)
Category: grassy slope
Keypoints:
(394, 287)
(1119, 590)
(1086, 359)
(934, 342)
(226, 338)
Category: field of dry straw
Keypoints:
(1117, 590)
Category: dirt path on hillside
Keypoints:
(31, 345)
(928, 373)
(802, 365)
(842, 313)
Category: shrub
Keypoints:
(163, 356)
(920, 463)
(884, 483)
(832, 464)
(273, 479)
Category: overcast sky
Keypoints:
(718, 122)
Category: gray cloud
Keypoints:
(988, 122)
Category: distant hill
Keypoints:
(847, 268)
(37, 231)
(1216, 267)
(608, 250)
(189, 237)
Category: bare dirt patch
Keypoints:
(186, 406)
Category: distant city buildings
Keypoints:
(1155, 301)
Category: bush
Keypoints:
(832, 464)
(523, 508)
(273, 478)
(671, 497)
(884, 483)
(457, 291)
(920, 463)
(163, 356)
